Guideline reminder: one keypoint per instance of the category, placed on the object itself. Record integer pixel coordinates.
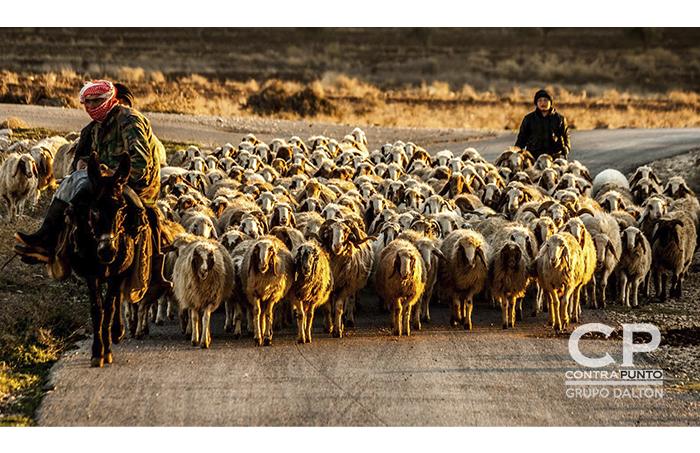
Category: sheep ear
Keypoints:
(480, 254)
(686, 190)
(640, 241)
(445, 189)
(655, 178)
(530, 247)
(566, 256)
(275, 263)
(437, 252)
(610, 247)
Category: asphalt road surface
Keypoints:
(440, 376)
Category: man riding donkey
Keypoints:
(116, 129)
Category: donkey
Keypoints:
(102, 251)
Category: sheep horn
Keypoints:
(582, 211)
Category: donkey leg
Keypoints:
(118, 323)
(97, 315)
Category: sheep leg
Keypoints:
(172, 308)
(518, 307)
(228, 309)
(309, 322)
(624, 290)
(537, 302)
(337, 329)
(550, 303)
(425, 309)
(503, 302)
(677, 292)
(161, 315)
(417, 314)
(556, 313)
(300, 316)
(238, 320)
(406, 323)
(565, 301)
(327, 318)
(257, 323)
(269, 320)
(396, 319)
(635, 289)
(205, 340)
(603, 286)
(184, 322)
(194, 322)
(593, 292)
(350, 310)
(512, 304)
(468, 308)
(456, 311)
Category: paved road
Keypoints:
(441, 376)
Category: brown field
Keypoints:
(476, 78)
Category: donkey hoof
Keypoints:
(267, 342)
(109, 358)
(237, 336)
(97, 362)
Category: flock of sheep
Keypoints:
(275, 231)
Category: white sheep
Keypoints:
(634, 264)
(204, 278)
(401, 277)
(267, 275)
(18, 182)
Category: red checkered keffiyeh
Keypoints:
(101, 89)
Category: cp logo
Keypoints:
(628, 348)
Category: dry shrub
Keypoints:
(131, 75)
(156, 77)
(683, 97)
(468, 92)
(276, 98)
(196, 79)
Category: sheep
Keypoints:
(608, 176)
(401, 277)
(676, 188)
(606, 234)
(267, 275)
(63, 159)
(43, 158)
(634, 264)
(643, 172)
(203, 277)
(199, 224)
(672, 247)
(645, 188)
(351, 262)
(18, 182)
(313, 283)
(465, 272)
(586, 269)
(555, 268)
(509, 278)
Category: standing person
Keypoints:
(115, 129)
(544, 131)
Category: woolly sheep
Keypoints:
(313, 283)
(401, 277)
(203, 277)
(634, 265)
(465, 272)
(18, 182)
(351, 260)
(672, 247)
(267, 275)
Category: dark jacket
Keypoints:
(544, 134)
(125, 130)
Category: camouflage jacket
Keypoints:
(126, 129)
